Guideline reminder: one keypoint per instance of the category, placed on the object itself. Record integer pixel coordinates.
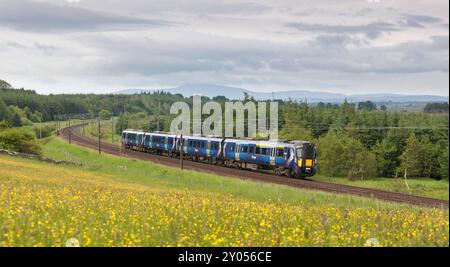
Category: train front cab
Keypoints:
(305, 160)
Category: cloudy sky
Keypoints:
(358, 46)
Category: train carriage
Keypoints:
(290, 158)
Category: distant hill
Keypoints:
(212, 90)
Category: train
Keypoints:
(296, 159)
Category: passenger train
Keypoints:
(290, 158)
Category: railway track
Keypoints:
(76, 137)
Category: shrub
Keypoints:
(19, 140)
(341, 155)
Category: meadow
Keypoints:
(417, 186)
(112, 201)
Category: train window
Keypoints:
(214, 146)
(202, 145)
(251, 150)
(190, 143)
(170, 141)
(280, 152)
(258, 150)
(231, 147)
(264, 151)
(244, 149)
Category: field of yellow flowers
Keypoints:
(47, 205)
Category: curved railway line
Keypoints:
(78, 138)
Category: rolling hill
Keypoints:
(235, 93)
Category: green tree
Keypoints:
(4, 111)
(105, 114)
(367, 105)
(443, 163)
(341, 155)
(16, 120)
(411, 158)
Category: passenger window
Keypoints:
(251, 150)
(280, 152)
(258, 150)
(190, 143)
(202, 145)
(264, 151)
(244, 149)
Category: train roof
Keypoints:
(202, 138)
(270, 143)
(132, 131)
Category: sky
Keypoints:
(350, 47)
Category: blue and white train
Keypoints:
(289, 158)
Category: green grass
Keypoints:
(416, 186)
(43, 204)
(106, 134)
(169, 177)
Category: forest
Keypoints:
(354, 140)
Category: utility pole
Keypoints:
(181, 150)
(70, 133)
(99, 141)
(112, 129)
(158, 115)
(40, 128)
(120, 144)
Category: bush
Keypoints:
(19, 140)
(44, 131)
(341, 155)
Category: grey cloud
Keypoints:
(325, 53)
(46, 49)
(44, 17)
(418, 20)
(13, 44)
(371, 30)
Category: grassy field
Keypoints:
(416, 186)
(113, 201)
(106, 133)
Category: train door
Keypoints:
(272, 156)
(244, 155)
(279, 156)
(208, 149)
(237, 152)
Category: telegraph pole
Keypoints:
(158, 114)
(112, 129)
(181, 150)
(40, 128)
(70, 133)
(99, 141)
